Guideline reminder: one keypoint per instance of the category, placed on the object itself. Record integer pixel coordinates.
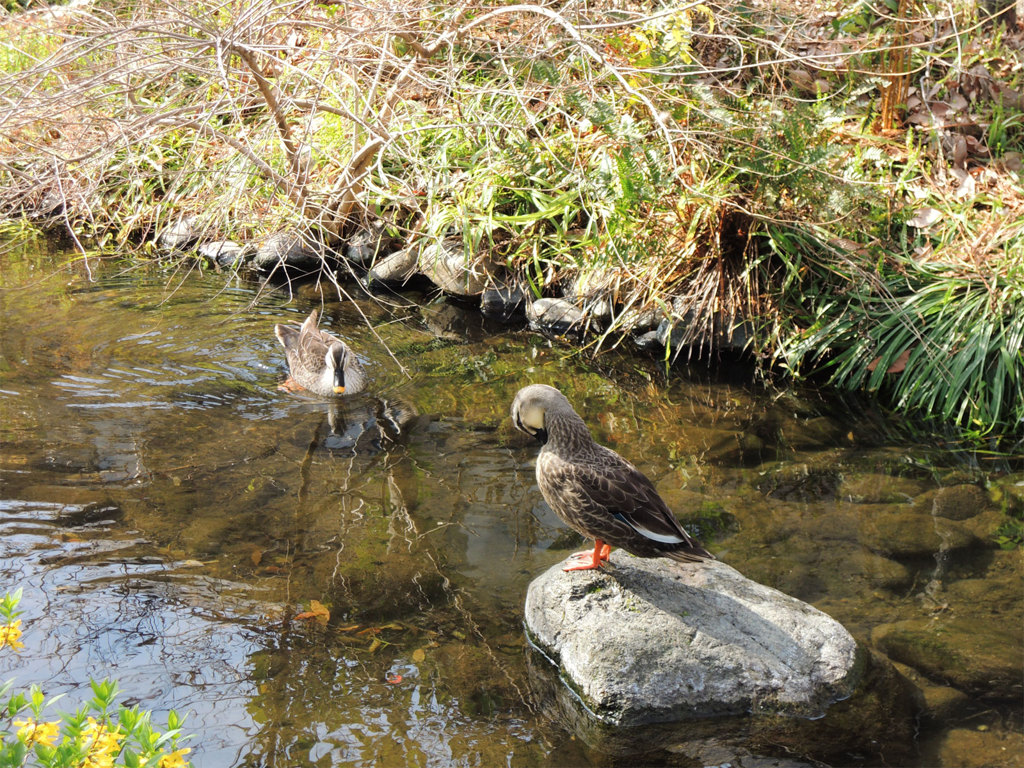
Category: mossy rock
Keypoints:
(980, 657)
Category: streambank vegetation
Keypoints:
(835, 188)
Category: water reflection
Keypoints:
(169, 512)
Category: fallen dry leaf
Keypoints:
(898, 365)
(924, 217)
(317, 612)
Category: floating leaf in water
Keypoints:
(256, 556)
(419, 655)
(317, 612)
(375, 645)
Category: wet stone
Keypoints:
(640, 321)
(223, 253)
(364, 245)
(502, 302)
(648, 341)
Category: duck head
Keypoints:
(337, 360)
(530, 409)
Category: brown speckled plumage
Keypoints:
(318, 361)
(593, 489)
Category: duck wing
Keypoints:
(608, 498)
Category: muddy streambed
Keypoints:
(168, 511)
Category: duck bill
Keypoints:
(339, 382)
(339, 390)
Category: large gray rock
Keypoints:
(652, 640)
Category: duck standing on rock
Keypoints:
(319, 362)
(594, 490)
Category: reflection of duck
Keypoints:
(367, 425)
(319, 362)
(594, 490)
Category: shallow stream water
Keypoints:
(169, 512)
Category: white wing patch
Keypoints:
(661, 538)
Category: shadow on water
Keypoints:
(176, 521)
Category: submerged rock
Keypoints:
(972, 748)
(982, 658)
(955, 502)
(653, 640)
(878, 488)
(900, 532)
(937, 702)
(877, 725)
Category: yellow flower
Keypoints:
(9, 634)
(175, 759)
(32, 732)
(102, 743)
(97, 761)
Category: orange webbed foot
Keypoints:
(290, 385)
(590, 559)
